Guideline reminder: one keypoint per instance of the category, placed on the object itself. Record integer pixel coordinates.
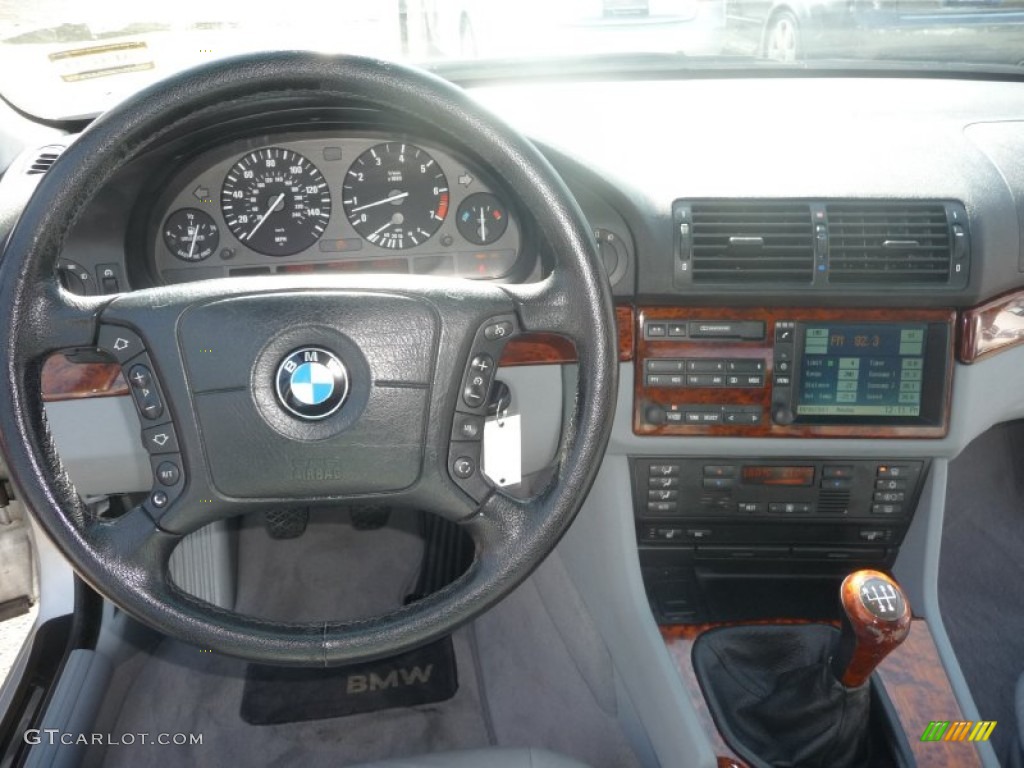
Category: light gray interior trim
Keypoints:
(71, 711)
(600, 554)
(536, 397)
(917, 568)
(202, 565)
(100, 444)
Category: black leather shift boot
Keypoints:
(775, 700)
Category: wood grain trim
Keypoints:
(551, 349)
(876, 637)
(993, 327)
(914, 679)
(678, 398)
(65, 379)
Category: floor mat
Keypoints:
(276, 695)
(980, 570)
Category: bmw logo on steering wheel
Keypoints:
(312, 383)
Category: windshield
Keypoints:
(71, 58)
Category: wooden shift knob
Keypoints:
(875, 620)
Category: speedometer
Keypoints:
(395, 195)
(276, 201)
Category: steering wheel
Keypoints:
(298, 391)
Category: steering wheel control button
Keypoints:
(478, 380)
(160, 439)
(140, 376)
(159, 499)
(120, 342)
(497, 331)
(464, 467)
(168, 473)
(468, 427)
(144, 390)
(312, 383)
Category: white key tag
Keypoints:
(503, 449)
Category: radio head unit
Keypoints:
(860, 372)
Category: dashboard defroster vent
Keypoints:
(894, 242)
(746, 241)
(45, 158)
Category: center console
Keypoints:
(793, 372)
(719, 533)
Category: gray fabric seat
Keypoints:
(482, 758)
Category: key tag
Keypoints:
(503, 448)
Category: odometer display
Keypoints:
(395, 195)
(276, 202)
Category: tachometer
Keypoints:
(276, 201)
(395, 195)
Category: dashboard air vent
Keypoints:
(890, 243)
(46, 157)
(752, 242)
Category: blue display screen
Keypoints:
(862, 370)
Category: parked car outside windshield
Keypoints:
(69, 58)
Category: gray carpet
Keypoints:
(332, 571)
(981, 573)
(533, 671)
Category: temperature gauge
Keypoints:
(191, 235)
(482, 218)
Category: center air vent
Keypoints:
(45, 158)
(751, 242)
(886, 243)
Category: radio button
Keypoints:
(783, 366)
(665, 366)
(782, 381)
(745, 366)
(705, 366)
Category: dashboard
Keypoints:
(815, 309)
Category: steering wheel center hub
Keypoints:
(312, 383)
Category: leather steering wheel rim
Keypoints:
(126, 560)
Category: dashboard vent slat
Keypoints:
(752, 241)
(886, 242)
(44, 160)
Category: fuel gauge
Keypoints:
(191, 235)
(482, 218)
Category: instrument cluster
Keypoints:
(333, 203)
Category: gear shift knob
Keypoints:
(875, 620)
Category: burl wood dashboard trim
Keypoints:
(551, 349)
(761, 397)
(66, 379)
(992, 327)
(913, 676)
